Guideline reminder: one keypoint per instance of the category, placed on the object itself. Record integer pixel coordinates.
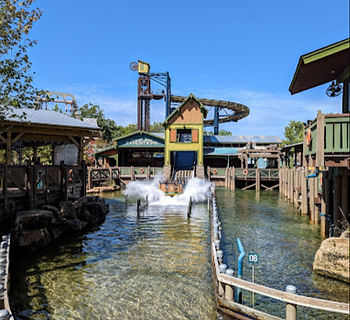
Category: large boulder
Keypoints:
(332, 258)
(35, 229)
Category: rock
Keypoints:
(67, 210)
(34, 239)
(35, 229)
(332, 259)
(33, 219)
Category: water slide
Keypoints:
(239, 111)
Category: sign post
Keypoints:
(254, 259)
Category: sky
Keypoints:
(240, 51)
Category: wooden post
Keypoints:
(233, 186)
(208, 173)
(345, 193)
(30, 186)
(281, 181)
(324, 202)
(289, 189)
(257, 179)
(304, 198)
(89, 180)
(320, 139)
(148, 173)
(132, 173)
(312, 200)
(83, 178)
(64, 182)
(291, 185)
(8, 148)
(296, 185)
(336, 200)
(46, 184)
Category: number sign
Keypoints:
(253, 258)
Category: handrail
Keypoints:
(296, 299)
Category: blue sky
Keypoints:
(241, 51)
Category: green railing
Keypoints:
(336, 134)
(217, 172)
(125, 170)
(269, 174)
(245, 173)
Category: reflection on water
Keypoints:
(286, 244)
(153, 267)
(158, 266)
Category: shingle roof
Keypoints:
(47, 117)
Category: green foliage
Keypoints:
(130, 128)
(110, 130)
(222, 132)
(293, 133)
(16, 20)
(157, 127)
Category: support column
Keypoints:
(336, 200)
(233, 185)
(304, 199)
(345, 194)
(312, 200)
(325, 204)
(257, 179)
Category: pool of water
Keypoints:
(286, 244)
(157, 265)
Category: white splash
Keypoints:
(198, 189)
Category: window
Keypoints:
(183, 135)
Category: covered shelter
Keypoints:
(330, 63)
(30, 184)
(25, 127)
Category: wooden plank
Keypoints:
(337, 137)
(286, 297)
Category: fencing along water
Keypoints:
(286, 244)
(157, 265)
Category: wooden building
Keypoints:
(324, 183)
(28, 184)
(184, 138)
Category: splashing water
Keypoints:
(198, 189)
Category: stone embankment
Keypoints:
(332, 258)
(35, 229)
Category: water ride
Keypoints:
(171, 188)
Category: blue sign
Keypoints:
(253, 258)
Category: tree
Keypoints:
(110, 130)
(293, 133)
(16, 20)
(222, 132)
(157, 127)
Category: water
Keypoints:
(286, 244)
(157, 266)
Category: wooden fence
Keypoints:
(33, 186)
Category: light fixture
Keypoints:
(334, 90)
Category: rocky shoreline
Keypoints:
(36, 229)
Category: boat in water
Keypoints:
(171, 188)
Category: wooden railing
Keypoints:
(330, 135)
(225, 300)
(41, 184)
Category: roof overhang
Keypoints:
(327, 64)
